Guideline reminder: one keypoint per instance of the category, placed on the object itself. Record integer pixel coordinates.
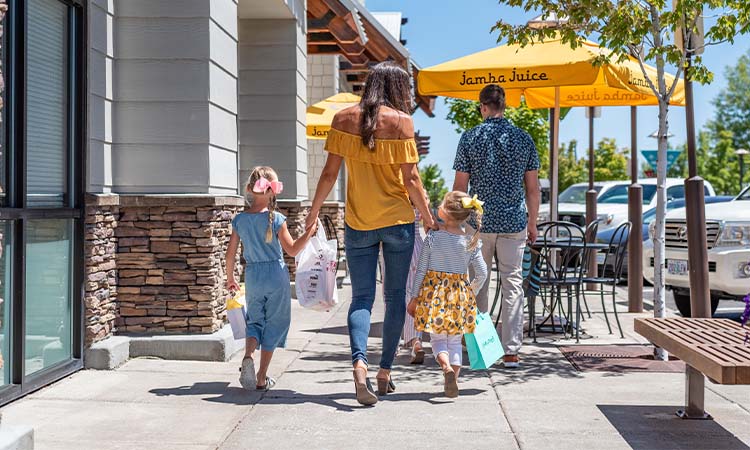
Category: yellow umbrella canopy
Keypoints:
(320, 115)
(533, 72)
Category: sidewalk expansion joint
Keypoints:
(269, 393)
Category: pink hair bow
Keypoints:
(263, 185)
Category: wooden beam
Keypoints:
(358, 59)
(317, 9)
(343, 32)
(321, 39)
(335, 6)
(320, 24)
(347, 67)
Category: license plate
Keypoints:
(677, 267)
(600, 258)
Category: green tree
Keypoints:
(656, 31)
(716, 161)
(464, 115)
(720, 165)
(571, 170)
(434, 183)
(610, 163)
(732, 105)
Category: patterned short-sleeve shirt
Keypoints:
(497, 155)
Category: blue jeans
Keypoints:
(362, 250)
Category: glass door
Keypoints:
(40, 206)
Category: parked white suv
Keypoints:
(728, 233)
(612, 200)
(571, 206)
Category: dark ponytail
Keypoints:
(387, 84)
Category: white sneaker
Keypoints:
(247, 374)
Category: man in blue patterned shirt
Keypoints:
(499, 163)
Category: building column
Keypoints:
(323, 81)
(163, 166)
(273, 101)
(175, 97)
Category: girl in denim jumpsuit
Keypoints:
(263, 232)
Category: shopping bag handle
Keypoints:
(320, 234)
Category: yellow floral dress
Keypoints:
(445, 297)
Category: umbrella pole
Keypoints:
(635, 215)
(591, 198)
(553, 158)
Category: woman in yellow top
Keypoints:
(376, 139)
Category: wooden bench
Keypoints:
(715, 348)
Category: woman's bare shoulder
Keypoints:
(394, 124)
(347, 120)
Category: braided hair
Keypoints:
(270, 175)
(454, 208)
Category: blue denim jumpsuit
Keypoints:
(267, 290)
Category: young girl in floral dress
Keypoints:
(443, 302)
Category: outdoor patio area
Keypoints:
(613, 399)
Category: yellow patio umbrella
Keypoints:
(320, 115)
(548, 74)
(535, 71)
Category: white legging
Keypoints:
(449, 344)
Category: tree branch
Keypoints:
(675, 82)
(639, 58)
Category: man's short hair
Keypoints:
(493, 96)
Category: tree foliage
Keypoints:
(645, 29)
(732, 105)
(642, 27)
(571, 170)
(610, 163)
(726, 132)
(434, 183)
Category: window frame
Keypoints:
(17, 210)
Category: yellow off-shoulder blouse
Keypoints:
(375, 192)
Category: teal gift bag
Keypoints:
(483, 345)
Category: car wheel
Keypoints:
(682, 300)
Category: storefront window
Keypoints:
(48, 289)
(47, 103)
(6, 237)
(41, 154)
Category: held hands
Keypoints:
(310, 231)
(311, 222)
(430, 224)
(411, 308)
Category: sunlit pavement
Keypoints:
(546, 404)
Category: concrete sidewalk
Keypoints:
(154, 404)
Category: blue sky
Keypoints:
(441, 30)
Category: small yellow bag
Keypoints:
(236, 313)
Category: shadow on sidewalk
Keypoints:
(221, 392)
(658, 428)
(376, 330)
(545, 363)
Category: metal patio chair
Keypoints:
(614, 254)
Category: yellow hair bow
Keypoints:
(473, 203)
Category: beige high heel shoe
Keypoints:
(363, 388)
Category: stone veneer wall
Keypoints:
(156, 263)
(100, 297)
